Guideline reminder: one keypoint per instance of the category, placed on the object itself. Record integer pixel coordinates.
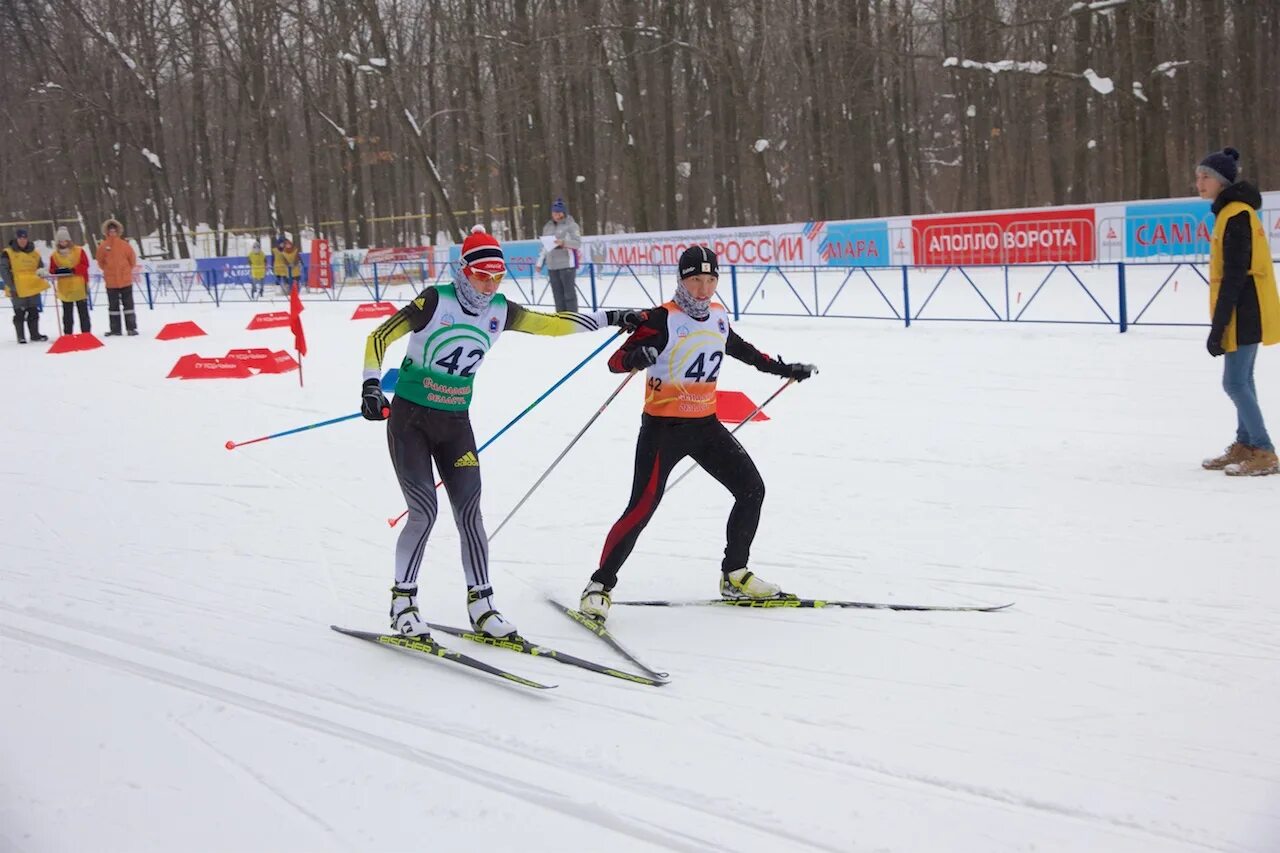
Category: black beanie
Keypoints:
(1223, 165)
(698, 260)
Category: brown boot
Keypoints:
(1260, 463)
(1236, 452)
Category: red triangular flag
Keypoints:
(295, 321)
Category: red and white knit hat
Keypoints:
(483, 252)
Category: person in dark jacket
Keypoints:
(1244, 307)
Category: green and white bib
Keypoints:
(441, 361)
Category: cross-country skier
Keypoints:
(451, 329)
(681, 346)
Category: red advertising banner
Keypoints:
(321, 272)
(1062, 235)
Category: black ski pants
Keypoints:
(663, 442)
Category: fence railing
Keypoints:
(1164, 293)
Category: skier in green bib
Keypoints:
(451, 329)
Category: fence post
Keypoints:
(213, 277)
(376, 291)
(733, 277)
(1124, 298)
(591, 271)
(1007, 312)
(150, 301)
(906, 298)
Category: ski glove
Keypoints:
(628, 319)
(640, 358)
(373, 403)
(1214, 344)
(797, 371)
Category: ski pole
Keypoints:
(745, 421)
(232, 445)
(563, 453)
(392, 522)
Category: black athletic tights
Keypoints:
(663, 442)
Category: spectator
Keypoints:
(70, 264)
(117, 260)
(257, 271)
(24, 281)
(1244, 307)
(286, 264)
(561, 260)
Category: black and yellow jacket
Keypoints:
(1244, 307)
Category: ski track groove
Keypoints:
(257, 777)
(643, 787)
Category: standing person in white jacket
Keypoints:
(560, 261)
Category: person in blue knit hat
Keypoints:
(561, 261)
(1244, 307)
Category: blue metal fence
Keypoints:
(1119, 294)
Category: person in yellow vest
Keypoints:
(286, 263)
(69, 264)
(1244, 307)
(24, 281)
(257, 271)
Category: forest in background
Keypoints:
(389, 122)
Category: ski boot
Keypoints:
(595, 601)
(743, 584)
(405, 619)
(485, 618)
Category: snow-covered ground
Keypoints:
(168, 679)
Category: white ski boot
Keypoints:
(485, 618)
(741, 583)
(405, 619)
(595, 602)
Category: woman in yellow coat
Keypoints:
(1244, 307)
(24, 281)
(257, 271)
(286, 264)
(70, 264)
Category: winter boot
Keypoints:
(1259, 463)
(33, 326)
(485, 618)
(405, 618)
(17, 325)
(741, 583)
(1235, 452)
(595, 601)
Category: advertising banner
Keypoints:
(1169, 229)
(1056, 235)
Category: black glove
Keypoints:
(1214, 344)
(628, 319)
(63, 271)
(373, 403)
(640, 358)
(797, 371)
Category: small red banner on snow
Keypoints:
(733, 407)
(75, 343)
(271, 320)
(370, 310)
(173, 331)
(200, 367)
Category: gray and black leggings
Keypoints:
(415, 436)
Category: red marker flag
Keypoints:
(295, 324)
(295, 321)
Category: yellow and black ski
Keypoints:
(430, 648)
(524, 647)
(596, 627)
(815, 604)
